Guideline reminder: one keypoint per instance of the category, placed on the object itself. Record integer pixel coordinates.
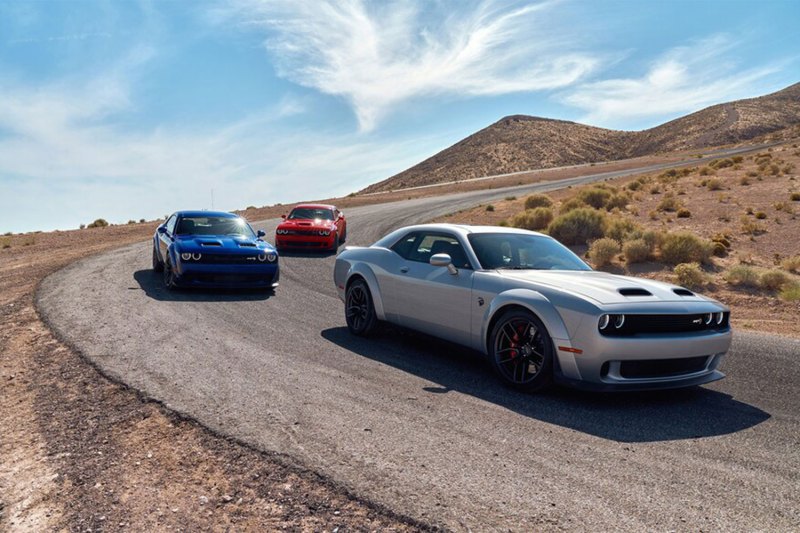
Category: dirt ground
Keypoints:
(79, 452)
(745, 193)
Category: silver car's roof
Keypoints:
(461, 229)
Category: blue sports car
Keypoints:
(213, 249)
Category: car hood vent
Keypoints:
(634, 291)
(683, 292)
(247, 244)
(210, 243)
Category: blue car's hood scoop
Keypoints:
(221, 242)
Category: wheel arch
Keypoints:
(527, 300)
(361, 271)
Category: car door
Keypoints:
(430, 298)
(165, 239)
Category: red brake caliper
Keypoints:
(514, 343)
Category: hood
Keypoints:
(228, 243)
(602, 287)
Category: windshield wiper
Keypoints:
(508, 267)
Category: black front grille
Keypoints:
(215, 278)
(302, 232)
(644, 324)
(656, 368)
(229, 259)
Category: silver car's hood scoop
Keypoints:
(600, 286)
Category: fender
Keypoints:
(532, 300)
(362, 269)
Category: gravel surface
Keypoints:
(421, 426)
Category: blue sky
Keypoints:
(133, 109)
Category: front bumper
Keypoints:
(264, 276)
(305, 241)
(645, 362)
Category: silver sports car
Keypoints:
(534, 308)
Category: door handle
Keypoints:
(403, 270)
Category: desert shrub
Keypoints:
(751, 227)
(131, 222)
(685, 247)
(690, 275)
(620, 229)
(510, 198)
(744, 180)
(618, 200)
(5, 242)
(634, 185)
(761, 215)
(773, 280)
(99, 223)
(752, 174)
(655, 189)
(749, 210)
(795, 197)
(669, 203)
(490, 208)
(791, 292)
(652, 238)
(533, 219)
(737, 159)
(578, 226)
(721, 163)
(774, 169)
(503, 223)
(714, 184)
(569, 205)
(792, 264)
(142, 221)
(603, 251)
(706, 171)
(684, 213)
(637, 251)
(537, 200)
(741, 275)
(595, 196)
(784, 206)
(82, 226)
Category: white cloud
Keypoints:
(377, 55)
(685, 79)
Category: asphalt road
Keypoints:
(422, 426)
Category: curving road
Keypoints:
(421, 425)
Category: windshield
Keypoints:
(523, 252)
(214, 226)
(311, 213)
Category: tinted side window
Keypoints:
(171, 224)
(438, 243)
(404, 246)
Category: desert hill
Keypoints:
(519, 142)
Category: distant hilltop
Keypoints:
(520, 142)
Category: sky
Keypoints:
(124, 109)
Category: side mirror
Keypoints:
(283, 217)
(162, 229)
(261, 233)
(341, 215)
(443, 260)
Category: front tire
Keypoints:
(335, 245)
(158, 265)
(359, 311)
(170, 281)
(521, 351)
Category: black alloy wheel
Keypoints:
(335, 247)
(158, 266)
(359, 311)
(169, 276)
(521, 351)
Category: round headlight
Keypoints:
(196, 256)
(619, 320)
(186, 256)
(603, 322)
(324, 232)
(718, 317)
(262, 257)
(282, 231)
(271, 257)
(708, 318)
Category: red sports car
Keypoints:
(312, 226)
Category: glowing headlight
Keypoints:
(603, 322)
(708, 318)
(282, 232)
(262, 257)
(718, 317)
(324, 232)
(271, 257)
(619, 320)
(186, 256)
(196, 256)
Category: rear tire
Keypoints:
(521, 351)
(359, 311)
(158, 265)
